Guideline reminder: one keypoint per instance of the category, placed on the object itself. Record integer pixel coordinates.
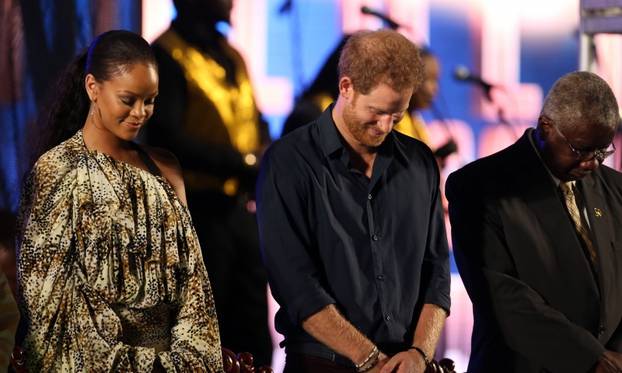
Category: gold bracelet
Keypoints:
(369, 362)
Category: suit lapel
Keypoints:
(542, 196)
(602, 234)
(598, 215)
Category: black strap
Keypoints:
(151, 165)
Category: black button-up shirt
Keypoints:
(376, 248)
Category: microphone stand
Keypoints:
(386, 21)
(462, 73)
(501, 117)
(504, 121)
(450, 146)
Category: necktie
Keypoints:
(575, 214)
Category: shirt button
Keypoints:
(369, 197)
(380, 277)
(601, 330)
(387, 317)
(374, 237)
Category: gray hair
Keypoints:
(581, 97)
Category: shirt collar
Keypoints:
(331, 140)
(399, 145)
(531, 134)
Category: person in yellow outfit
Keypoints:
(206, 114)
(413, 124)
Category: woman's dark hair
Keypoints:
(111, 53)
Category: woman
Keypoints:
(110, 269)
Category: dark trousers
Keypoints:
(230, 244)
(301, 363)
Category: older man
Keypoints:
(351, 224)
(537, 233)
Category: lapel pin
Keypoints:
(598, 212)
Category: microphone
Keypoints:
(446, 149)
(386, 19)
(463, 74)
(285, 7)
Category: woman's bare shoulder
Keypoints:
(170, 167)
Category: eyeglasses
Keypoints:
(585, 155)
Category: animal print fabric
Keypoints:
(110, 270)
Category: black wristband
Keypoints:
(423, 355)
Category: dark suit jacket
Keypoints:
(537, 304)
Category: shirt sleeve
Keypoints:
(195, 345)
(70, 327)
(528, 324)
(435, 269)
(285, 237)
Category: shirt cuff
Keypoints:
(307, 305)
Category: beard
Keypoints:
(361, 131)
